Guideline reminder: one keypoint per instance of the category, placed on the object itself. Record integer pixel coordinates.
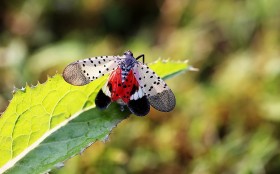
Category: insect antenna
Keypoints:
(143, 57)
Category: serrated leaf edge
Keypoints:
(13, 161)
(106, 138)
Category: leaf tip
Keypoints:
(191, 68)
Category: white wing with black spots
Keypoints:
(158, 93)
(84, 71)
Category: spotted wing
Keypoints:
(84, 71)
(158, 93)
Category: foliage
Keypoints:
(227, 114)
(44, 111)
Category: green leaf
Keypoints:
(47, 124)
(73, 138)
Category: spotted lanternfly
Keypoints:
(130, 83)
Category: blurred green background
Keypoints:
(227, 116)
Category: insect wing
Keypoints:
(84, 71)
(102, 100)
(158, 93)
(140, 106)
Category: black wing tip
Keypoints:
(102, 101)
(139, 107)
(73, 74)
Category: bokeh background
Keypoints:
(227, 118)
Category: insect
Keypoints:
(131, 83)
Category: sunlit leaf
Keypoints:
(45, 125)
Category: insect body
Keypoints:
(130, 83)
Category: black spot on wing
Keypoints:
(133, 90)
(110, 86)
